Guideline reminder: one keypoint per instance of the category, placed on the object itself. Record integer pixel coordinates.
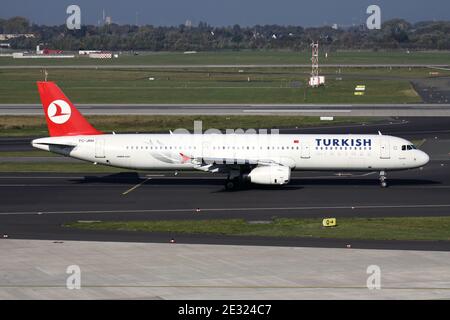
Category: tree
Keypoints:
(16, 25)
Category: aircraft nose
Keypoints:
(423, 158)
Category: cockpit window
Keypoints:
(408, 147)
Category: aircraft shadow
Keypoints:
(133, 178)
(362, 182)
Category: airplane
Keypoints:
(266, 159)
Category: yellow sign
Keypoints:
(359, 90)
(329, 222)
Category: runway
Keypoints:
(376, 110)
(36, 205)
(406, 127)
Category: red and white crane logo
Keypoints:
(59, 111)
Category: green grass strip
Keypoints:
(396, 228)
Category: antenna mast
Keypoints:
(315, 79)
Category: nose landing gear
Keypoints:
(383, 179)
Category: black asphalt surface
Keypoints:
(35, 206)
(407, 127)
(16, 144)
(433, 90)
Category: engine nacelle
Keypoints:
(274, 174)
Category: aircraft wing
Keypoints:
(211, 164)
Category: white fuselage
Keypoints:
(188, 151)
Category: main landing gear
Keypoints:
(234, 183)
(231, 184)
(235, 180)
(383, 179)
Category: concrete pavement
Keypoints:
(33, 269)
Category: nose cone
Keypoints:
(423, 158)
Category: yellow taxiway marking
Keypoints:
(136, 186)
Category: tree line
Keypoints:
(394, 34)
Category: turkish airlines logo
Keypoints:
(59, 111)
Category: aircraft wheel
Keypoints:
(230, 185)
(383, 179)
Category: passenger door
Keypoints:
(305, 150)
(385, 148)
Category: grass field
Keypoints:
(36, 125)
(404, 228)
(229, 85)
(250, 57)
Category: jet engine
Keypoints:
(274, 175)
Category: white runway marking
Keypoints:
(40, 177)
(136, 186)
(355, 207)
(205, 186)
(296, 110)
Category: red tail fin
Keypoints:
(63, 119)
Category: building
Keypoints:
(8, 36)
